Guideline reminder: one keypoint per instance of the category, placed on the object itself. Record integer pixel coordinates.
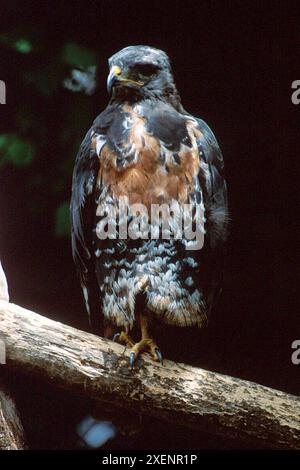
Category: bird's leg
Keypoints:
(146, 344)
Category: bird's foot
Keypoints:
(145, 345)
(124, 338)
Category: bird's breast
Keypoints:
(139, 159)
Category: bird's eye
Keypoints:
(146, 69)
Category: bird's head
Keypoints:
(140, 71)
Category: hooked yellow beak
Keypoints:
(115, 76)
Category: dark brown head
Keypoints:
(140, 72)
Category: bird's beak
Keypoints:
(115, 76)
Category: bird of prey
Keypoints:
(146, 150)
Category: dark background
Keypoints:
(234, 63)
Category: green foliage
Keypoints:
(62, 220)
(15, 150)
(76, 55)
(23, 45)
(48, 123)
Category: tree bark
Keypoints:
(177, 393)
(11, 430)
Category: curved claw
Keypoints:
(159, 355)
(116, 337)
(132, 359)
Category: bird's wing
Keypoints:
(213, 185)
(82, 216)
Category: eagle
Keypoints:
(143, 151)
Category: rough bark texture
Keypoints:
(177, 393)
(11, 430)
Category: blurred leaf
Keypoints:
(23, 45)
(62, 220)
(73, 54)
(16, 150)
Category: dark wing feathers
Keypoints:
(213, 185)
(168, 126)
(82, 217)
(214, 189)
(210, 145)
(84, 177)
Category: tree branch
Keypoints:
(99, 369)
(11, 430)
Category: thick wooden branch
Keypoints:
(11, 430)
(176, 393)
